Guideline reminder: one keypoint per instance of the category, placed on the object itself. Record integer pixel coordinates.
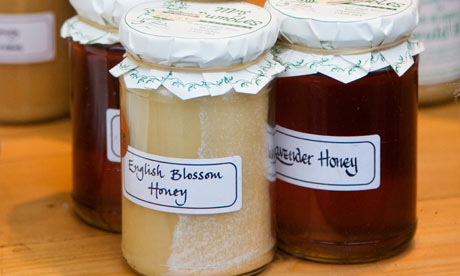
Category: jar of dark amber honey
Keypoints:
(94, 49)
(345, 136)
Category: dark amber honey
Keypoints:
(96, 180)
(351, 226)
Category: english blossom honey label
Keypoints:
(183, 186)
(327, 162)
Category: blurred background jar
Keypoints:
(439, 30)
(34, 71)
(94, 48)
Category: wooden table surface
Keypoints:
(40, 235)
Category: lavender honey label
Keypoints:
(182, 186)
(332, 163)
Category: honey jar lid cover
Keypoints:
(332, 24)
(196, 48)
(97, 21)
(346, 39)
(188, 33)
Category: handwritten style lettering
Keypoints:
(289, 157)
(181, 194)
(142, 170)
(350, 163)
(200, 175)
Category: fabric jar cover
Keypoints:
(97, 21)
(191, 35)
(342, 24)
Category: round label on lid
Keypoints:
(340, 10)
(197, 20)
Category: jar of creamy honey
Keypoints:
(346, 127)
(195, 94)
(34, 67)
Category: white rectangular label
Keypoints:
(27, 38)
(270, 170)
(328, 162)
(113, 134)
(183, 186)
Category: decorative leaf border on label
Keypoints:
(400, 58)
(86, 34)
(249, 80)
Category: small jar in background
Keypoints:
(439, 67)
(34, 67)
(195, 94)
(346, 126)
(94, 49)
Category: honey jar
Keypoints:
(34, 67)
(94, 48)
(195, 101)
(346, 127)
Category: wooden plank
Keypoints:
(439, 152)
(84, 256)
(35, 204)
(434, 251)
(34, 141)
(40, 235)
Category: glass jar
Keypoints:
(96, 189)
(346, 126)
(195, 147)
(439, 68)
(351, 226)
(94, 48)
(34, 67)
(234, 243)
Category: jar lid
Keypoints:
(333, 24)
(197, 48)
(97, 20)
(337, 27)
(186, 33)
